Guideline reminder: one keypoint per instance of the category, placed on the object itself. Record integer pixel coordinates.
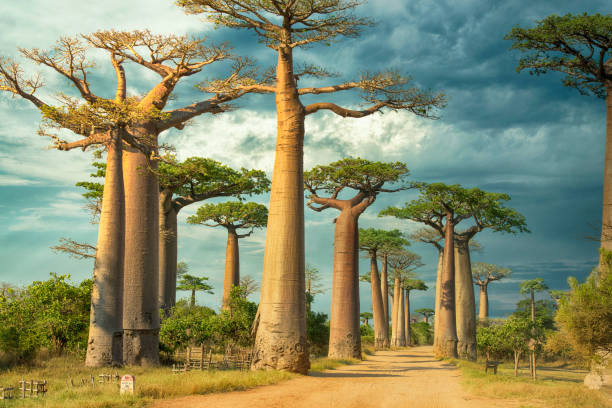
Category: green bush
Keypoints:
(421, 333)
(317, 333)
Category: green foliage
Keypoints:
(426, 312)
(94, 190)
(532, 285)
(421, 333)
(585, 314)
(201, 178)
(51, 314)
(414, 284)
(483, 273)
(489, 340)
(183, 326)
(358, 174)
(371, 239)
(366, 331)
(231, 214)
(366, 317)
(544, 312)
(194, 284)
(487, 210)
(317, 332)
(576, 45)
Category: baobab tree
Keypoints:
(284, 26)
(128, 127)
(194, 284)
(483, 274)
(248, 285)
(313, 284)
(426, 312)
(368, 179)
(530, 287)
(233, 216)
(403, 263)
(370, 241)
(365, 317)
(578, 46)
(183, 183)
(409, 285)
(442, 207)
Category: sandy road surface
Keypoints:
(406, 378)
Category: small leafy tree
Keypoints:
(489, 340)
(194, 284)
(531, 287)
(482, 275)
(426, 312)
(516, 333)
(313, 284)
(365, 317)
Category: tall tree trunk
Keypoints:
(465, 304)
(141, 265)
(394, 322)
(606, 219)
(192, 299)
(232, 267)
(407, 317)
(437, 300)
(281, 335)
(104, 346)
(377, 305)
(168, 240)
(344, 334)
(384, 287)
(447, 340)
(483, 308)
(401, 321)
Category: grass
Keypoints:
(151, 384)
(559, 388)
(324, 363)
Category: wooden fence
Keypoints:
(200, 358)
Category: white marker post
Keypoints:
(127, 384)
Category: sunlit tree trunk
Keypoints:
(465, 304)
(401, 321)
(344, 335)
(437, 298)
(407, 317)
(483, 307)
(104, 346)
(446, 346)
(384, 287)
(167, 251)
(606, 219)
(281, 334)
(394, 313)
(377, 305)
(141, 265)
(232, 267)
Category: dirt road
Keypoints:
(406, 378)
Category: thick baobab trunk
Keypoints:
(384, 287)
(465, 304)
(168, 241)
(232, 267)
(344, 334)
(394, 321)
(141, 265)
(446, 346)
(606, 219)
(437, 299)
(401, 321)
(483, 308)
(104, 346)
(407, 317)
(377, 305)
(281, 335)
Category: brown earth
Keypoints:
(402, 378)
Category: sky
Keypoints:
(526, 136)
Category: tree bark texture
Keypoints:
(606, 219)
(407, 317)
(168, 240)
(141, 265)
(344, 334)
(447, 340)
(394, 321)
(232, 267)
(281, 335)
(377, 305)
(384, 287)
(401, 321)
(465, 304)
(483, 306)
(104, 346)
(437, 300)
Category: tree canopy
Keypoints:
(533, 285)
(372, 239)
(577, 45)
(483, 273)
(232, 215)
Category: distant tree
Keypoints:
(181, 268)
(426, 312)
(248, 285)
(408, 286)
(367, 179)
(313, 284)
(233, 216)
(441, 207)
(516, 333)
(578, 46)
(483, 274)
(365, 317)
(530, 287)
(371, 240)
(194, 284)
(557, 295)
